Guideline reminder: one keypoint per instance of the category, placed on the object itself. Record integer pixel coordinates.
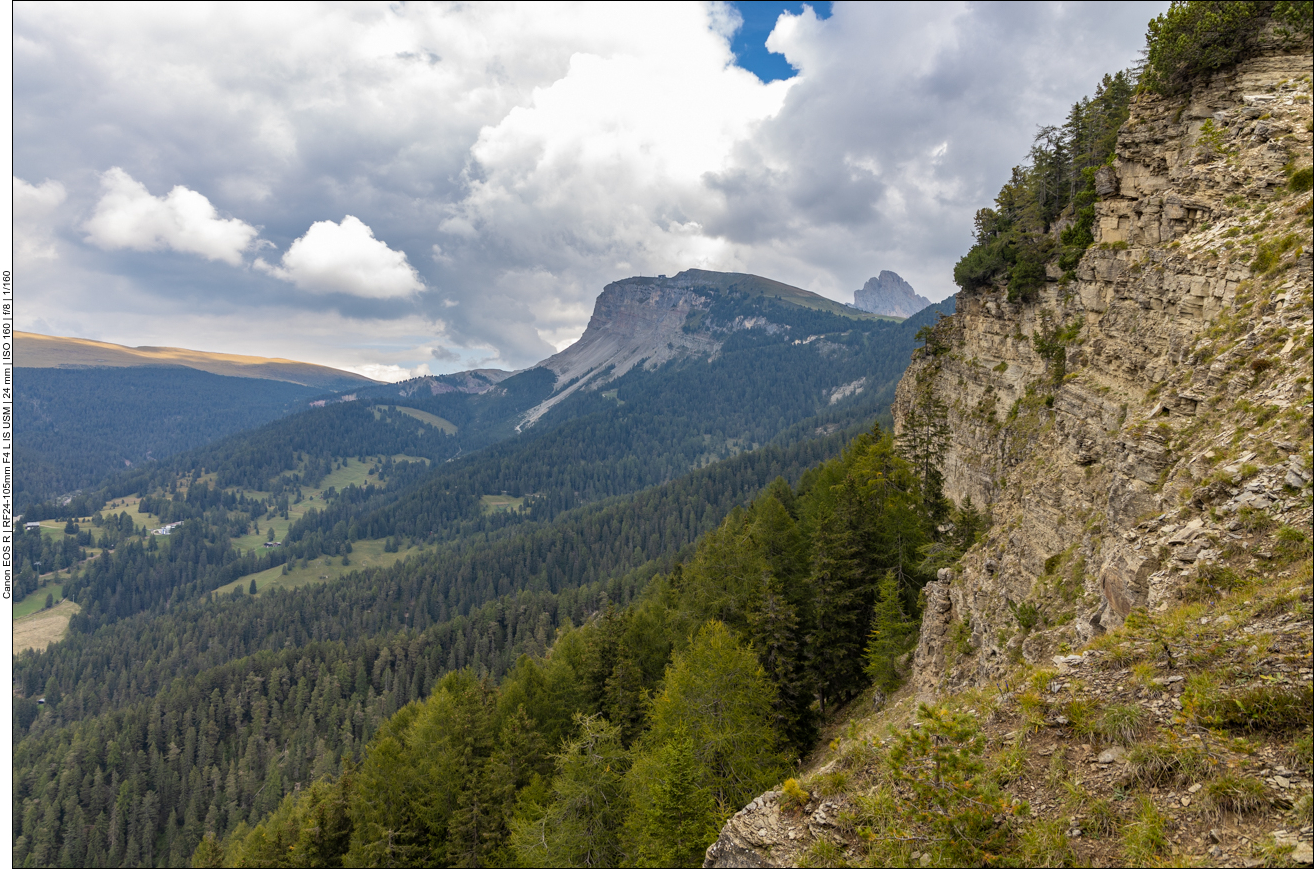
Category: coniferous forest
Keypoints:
(169, 713)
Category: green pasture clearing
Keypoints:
(36, 601)
(493, 503)
(40, 630)
(353, 472)
(423, 416)
(364, 554)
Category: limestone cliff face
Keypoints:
(634, 319)
(1180, 394)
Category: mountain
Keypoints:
(655, 320)
(46, 351)
(889, 294)
(87, 408)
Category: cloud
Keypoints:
(389, 373)
(34, 206)
(346, 258)
(128, 216)
(443, 354)
(502, 163)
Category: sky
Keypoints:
(401, 189)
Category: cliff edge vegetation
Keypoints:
(1119, 672)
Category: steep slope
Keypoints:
(1107, 423)
(1119, 673)
(47, 351)
(889, 294)
(648, 320)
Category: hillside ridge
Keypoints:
(34, 350)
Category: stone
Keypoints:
(1116, 754)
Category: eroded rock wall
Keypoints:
(1113, 469)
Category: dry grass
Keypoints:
(48, 626)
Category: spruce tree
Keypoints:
(890, 637)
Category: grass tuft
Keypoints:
(1271, 708)
(1146, 837)
(1162, 763)
(1235, 794)
(1121, 723)
(1045, 843)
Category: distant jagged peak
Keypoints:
(889, 295)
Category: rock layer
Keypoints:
(1089, 467)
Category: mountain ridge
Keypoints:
(654, 320)
(34, 350)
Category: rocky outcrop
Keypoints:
(889, 295)
(1141, 435)
(768, 832)
(1114, 469)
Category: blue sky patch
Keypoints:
(749, 44)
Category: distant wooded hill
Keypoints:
(48, 351)
(76, 426)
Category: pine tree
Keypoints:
(580, 823)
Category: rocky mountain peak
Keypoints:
(889, 295)
(644, 319)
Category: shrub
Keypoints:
(940, 764)
(795, 796)
(1302, 180)
(960, 638)
(1026, 613)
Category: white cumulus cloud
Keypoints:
(346, 258)
(389, 373)
(34, 205)
(128, 216)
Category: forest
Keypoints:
(620, 487)
(78, 425)
(630, 741)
